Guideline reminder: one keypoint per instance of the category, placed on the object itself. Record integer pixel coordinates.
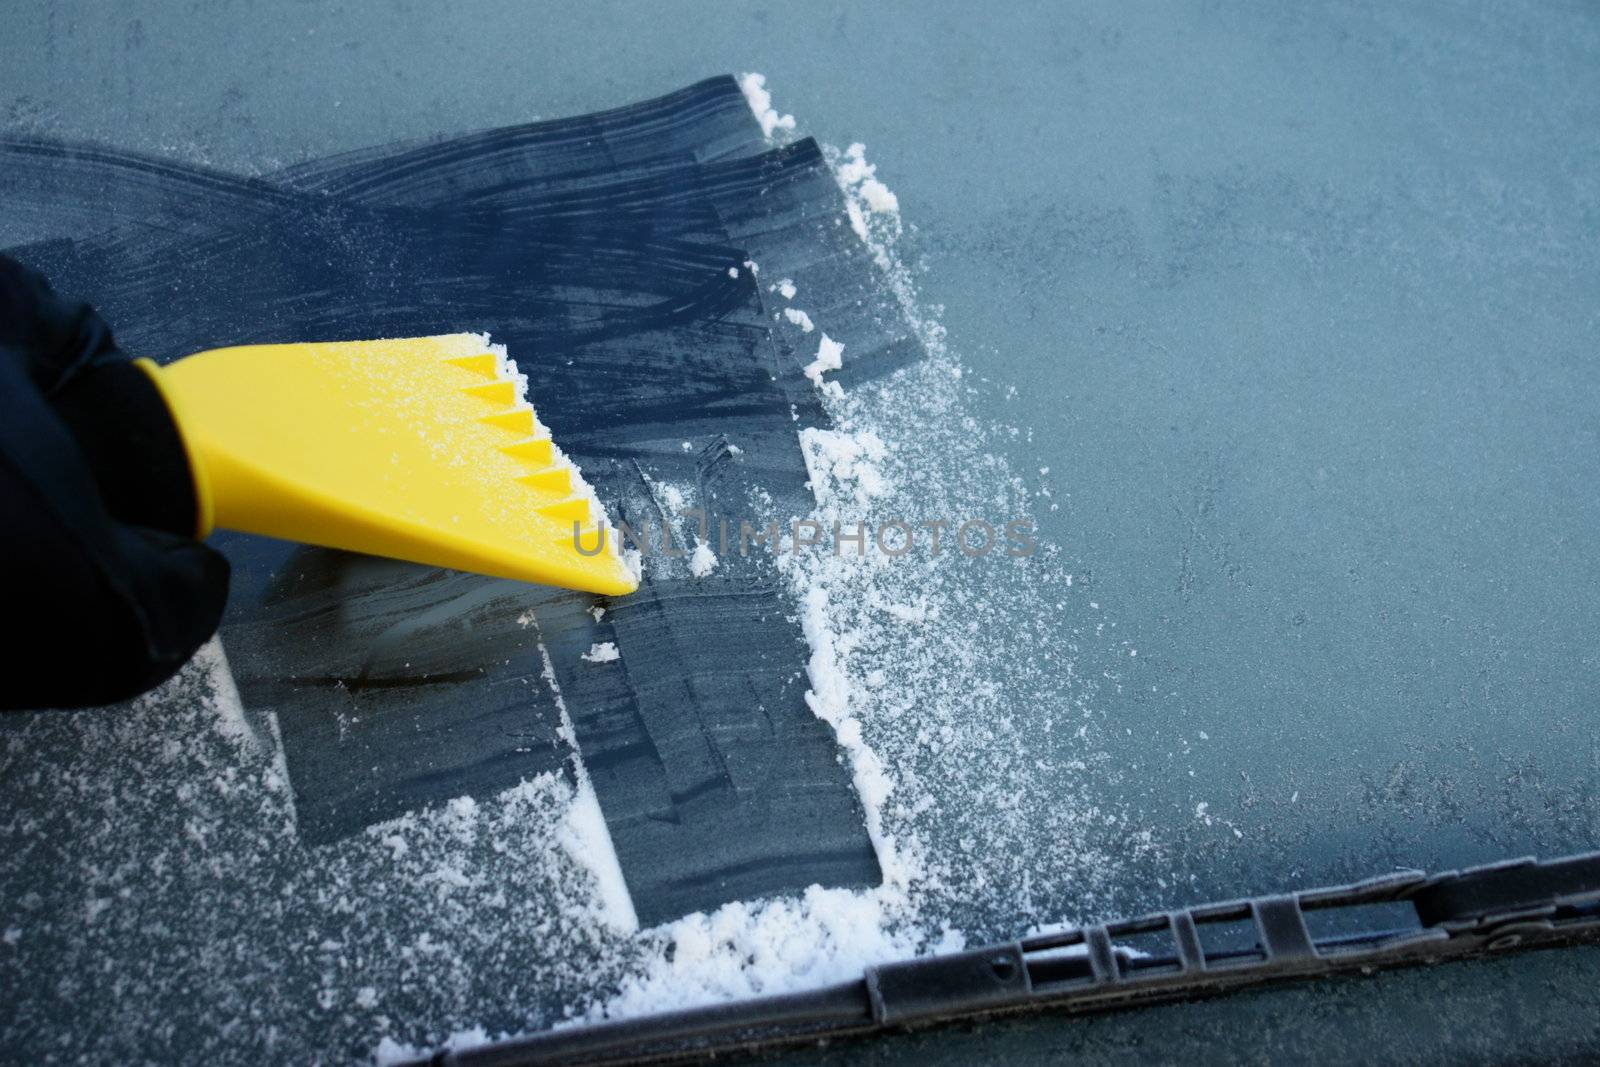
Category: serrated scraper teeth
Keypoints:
(519, 421)
(556, 481)
(535, 452)
(487, 365)
(501, 394)
(573, 509)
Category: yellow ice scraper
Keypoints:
(421, 448)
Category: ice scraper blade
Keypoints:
(421, 449)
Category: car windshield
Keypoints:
(1084, 464)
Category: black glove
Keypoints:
(107, 591)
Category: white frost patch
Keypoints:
(755, 92)
(585, 838)
(702, 561)
(829, 700)
(786, 289)
(633, 562)
(230, 708)
(673, 498)
(602, 652)
(390, 1051)
(858, 175)
(800, 319)
(878, 196)
(838, 460)
(763, 948)
(830, 356)
(864, 193)
(912, 613)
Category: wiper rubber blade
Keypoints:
(1516, 904)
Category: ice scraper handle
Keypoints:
(419, 448)
(107, 588)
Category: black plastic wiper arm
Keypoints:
(1516, 904)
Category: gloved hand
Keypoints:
(106, 590)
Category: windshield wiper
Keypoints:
(1393, 920)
